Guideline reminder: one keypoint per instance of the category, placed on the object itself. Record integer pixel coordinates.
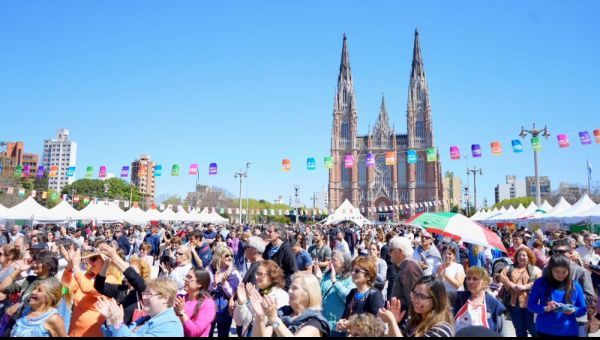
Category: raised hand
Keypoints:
(270, 307)
(241, 294)
(395, 307)
(178, 305)
(332, 271)
(108, 251)
(341, 325)
(20, 266)
(256, 302)
(386, 315)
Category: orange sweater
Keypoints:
(85, 318)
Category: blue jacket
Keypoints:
(555, 323)
(165, 324)
(334, 297)
(154, 241)
(494, 309)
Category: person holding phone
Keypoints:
(557, 300)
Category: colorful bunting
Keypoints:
(21, 192)
(88, 171)
(390, 158)
(125, 171)
(328, 162)
(193, 169)
(431, 154)
(86, 200)
(44, 195)
(286, 165)
(102, 172)
(0, 168)
(563, 140)
(26, 171)
(54, 196)
(19, 171)
(53, 171)
(496, 148)
(536, 143)
(584, 136)
(157, 170)
(212, 169)
(370, 160)
(348, 161)
(175, 170)
(597, 136)
(517, 146)
(454, 153)
(411, 156)
(70, 171)
(476, 150)
(310, 164)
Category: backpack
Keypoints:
(529, 272)
(205, 254)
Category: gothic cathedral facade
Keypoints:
(379, 186)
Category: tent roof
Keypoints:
(560, 207)
(592, 212)
(546, 206)
(347, 212)
(135, 215)
(168, 215)
(507, 212)
(528, 212)
(102, 212)
(64, 211)
(29, 209)
(153, 215)
(584, 203)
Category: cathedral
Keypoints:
(360, 172)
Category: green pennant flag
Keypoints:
(18, 171)
(89, 171)
(431, 155)
(536, 144)
(328, 162)
(175, 170)
(54, 196)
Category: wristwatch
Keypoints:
(275, 324)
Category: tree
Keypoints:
(173, 200)
(514, 202)
(113, 188)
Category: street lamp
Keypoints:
(475, 171)
(535, 133)
(297, 203)
(247, 197)
(241, 175)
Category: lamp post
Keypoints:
(247, 197)
(475, 171)
(297, 203)
(534, 134)
(241, 174)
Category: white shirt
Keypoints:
(588, 255)
(342, 246)
(178, 274)
(453, 271)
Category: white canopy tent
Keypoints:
(512, 216)
(168, 215)
(194, 216)
(153, 215)
(584, 203)
(63, 211)
(500, 217)
(182, 215)
(136, 216)
(29, 209)
(545, 206)
(216, 218)
(528, 212)
(204, 216)
(103, 212)
(347, 212)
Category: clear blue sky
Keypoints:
(236, 81)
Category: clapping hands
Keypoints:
(112, 311)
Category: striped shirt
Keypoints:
(441, 330)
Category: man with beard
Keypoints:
(427, 255)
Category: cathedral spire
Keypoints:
(345, 74)
(417, 64)
(382, 130)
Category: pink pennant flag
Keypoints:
(563, 140)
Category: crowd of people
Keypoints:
(185, 280)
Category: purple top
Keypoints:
(200, 326)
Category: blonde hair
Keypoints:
(311, 286)
(217, 259)
(53, 290)
(186, 251)
(143, 266)
(482, 274)
(165, 287)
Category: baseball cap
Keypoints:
(596, 244)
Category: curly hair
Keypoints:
(366, 325)
(275, 273)
(368, 265)
(143, 267)
(529, 253)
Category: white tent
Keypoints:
(477, 216)
(500, 217)
(63, 211)
(512, 216)
(216, 218)
(593, 214)
(528, 212)
(153, 215)
(545, 206)
(347, 212)
(584, 203)
(559, 208)
(102, 212)
(29, 209)
(168, 215)
(194, 216)
(182, 215)
(204, 216)
(136, 216)
(488, 214)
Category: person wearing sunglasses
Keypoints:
(183, 264)
(427, 255)
(225, 280)
(86, 319)
(428, 315)
(365, 298)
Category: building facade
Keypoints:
(379, 186)
(513, 188)
(142, 177)
(545, 187)
(62, 153)
(453, 189)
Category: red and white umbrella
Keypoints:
(457, 226)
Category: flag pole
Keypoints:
(589, 177)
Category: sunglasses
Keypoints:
(358, 271)
(228, 256)
(179, 254)
(93, 259)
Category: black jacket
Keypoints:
(123, 243)
(285, 258)
(120, 293)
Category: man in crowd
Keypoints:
(253, 252)
(280, 251)
(320, 251)
(407, 271)
(342, 245)
(427, 255)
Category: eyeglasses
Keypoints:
(260, 274)
(1, 254)
(150, 294)
(358, 271)
(190, 278)
(228, 256)
(179, 254)
(559, 251)
(93, 259)
(419, 296)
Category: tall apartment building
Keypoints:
(545, 187)
(62, 153)
(452, 188)
(142, 177)
(14, 156)
(512, 189)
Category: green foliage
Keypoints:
(514, 202)
(173, 200)
(113, 188)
